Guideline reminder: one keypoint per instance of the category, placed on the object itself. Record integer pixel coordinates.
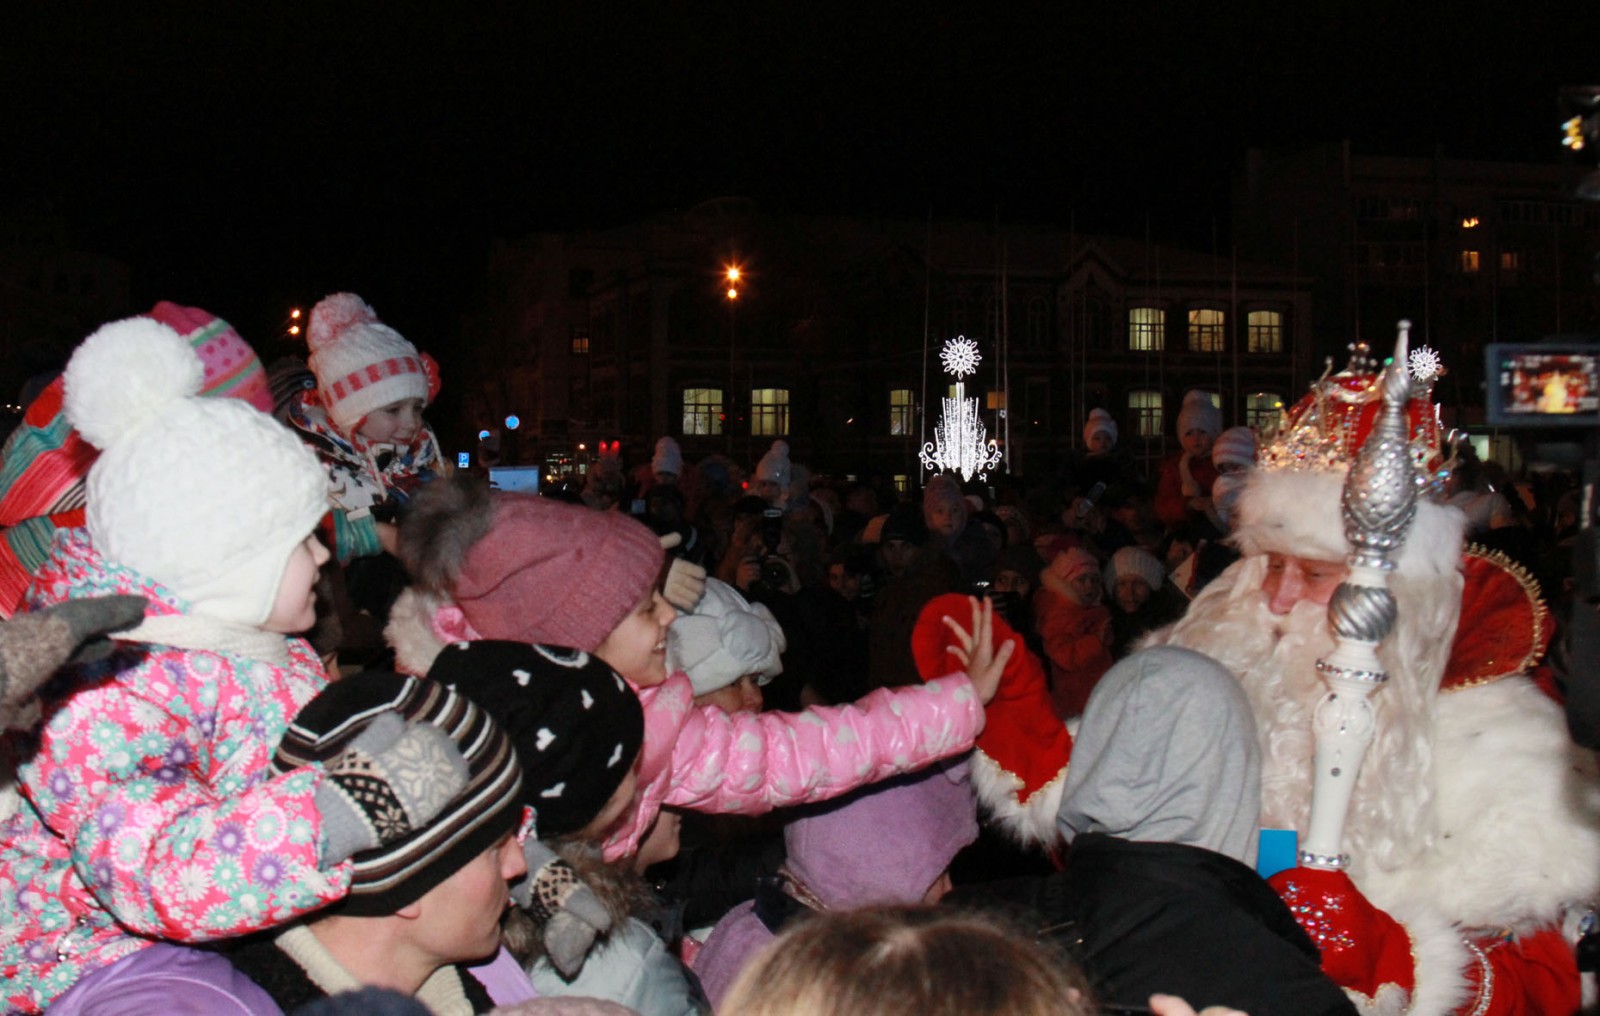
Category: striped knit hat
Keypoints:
(361, 363)
(232, 369)
(489, 806)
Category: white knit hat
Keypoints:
(361, 363)
(206, 496)
(668, 457)
(1135, 561)
(1099, 420)
(1199, 413)
(724, 639)
(774, 465)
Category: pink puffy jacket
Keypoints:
(705, 759)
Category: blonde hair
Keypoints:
(906, 961)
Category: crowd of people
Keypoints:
(299, 718)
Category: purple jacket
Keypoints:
(883, 845)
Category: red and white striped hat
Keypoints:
(361, 363)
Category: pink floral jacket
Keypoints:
(147, 807)
(709, 760)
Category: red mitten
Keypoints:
(1362, 947)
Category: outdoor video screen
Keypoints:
(1563, 384)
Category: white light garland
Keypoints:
(959, 443)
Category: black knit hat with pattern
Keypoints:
(576, 725)
(489, 806)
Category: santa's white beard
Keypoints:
(1274, 656)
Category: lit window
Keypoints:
(902, 483)
(1264, 331)
(1510, 260)
(1146, 327)
(769, 412)
(1263, 411)
(1469, 262)
(1145, 408)
(900, 412)
(1206, 330)
(580, 342)
(702, 410)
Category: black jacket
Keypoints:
(1144, 918)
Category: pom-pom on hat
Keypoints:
(1135, 561)
(1199, 414)
(668, 457)
(725, 638)
(575, 724)
(1099, 422)
(774, 466)
(232, 369)
(209, 497)
(387, 878)
(529, 568)
(361, 363)
(1235, 446)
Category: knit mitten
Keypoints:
(35, 645)
(686, 581)
(390, 781)
(569, 912)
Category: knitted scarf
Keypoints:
(361, 474)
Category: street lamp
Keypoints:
(732, 274)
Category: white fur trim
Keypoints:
(410, 631)
(1518, 809)
(1297, 512)
(1027, 822)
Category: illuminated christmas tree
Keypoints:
(959, 438)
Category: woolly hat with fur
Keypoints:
(668, 457)
(209, 497)
(725, 638)
(575, 724)
(774, 466)
(361, 363)
(1198, 413)
(1099, 422)
(528, 568)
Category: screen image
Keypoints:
(1550, 384)
(521, 479)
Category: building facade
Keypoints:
(829, 337)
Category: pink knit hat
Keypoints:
(232, 369)
(361, 363)
(555, 573)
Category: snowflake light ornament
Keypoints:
(960, 356)
(959, 443)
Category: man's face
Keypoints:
(1291, 580)
(1008, 581)
(458, 920)
(898, 555)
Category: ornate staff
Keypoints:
(1379, 503)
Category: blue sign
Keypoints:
(512, 423)
(463, 460)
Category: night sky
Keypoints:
(249, 160)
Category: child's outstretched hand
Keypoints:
(976, 651)
(1172, 1005)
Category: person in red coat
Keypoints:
(1183, 492)
(1075, 627)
